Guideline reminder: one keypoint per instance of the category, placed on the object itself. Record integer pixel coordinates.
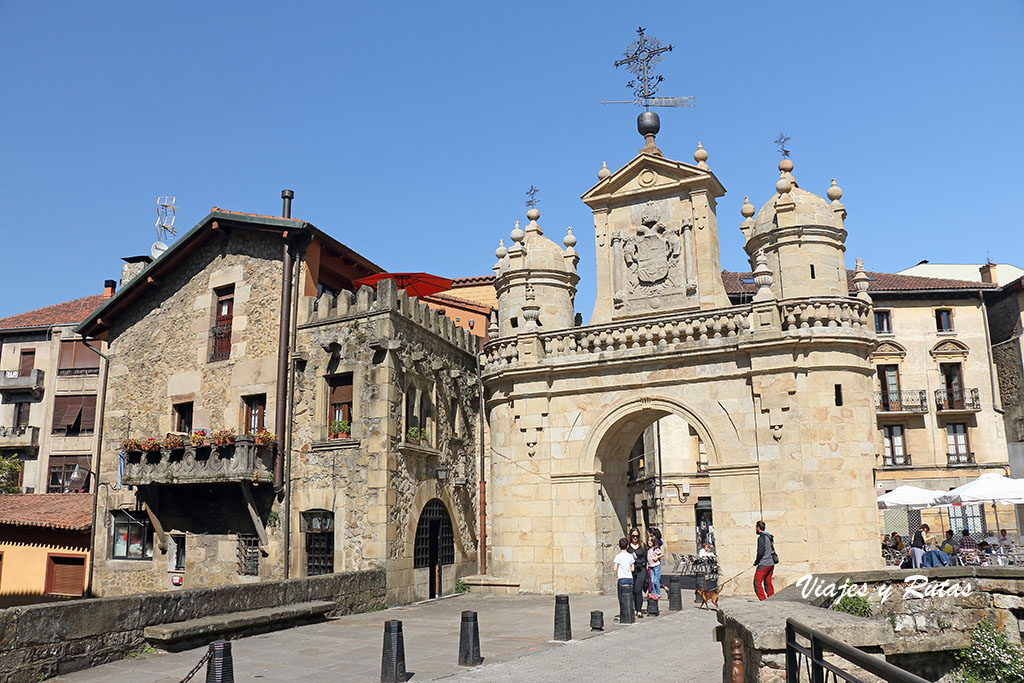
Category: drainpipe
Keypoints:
(280, 406)
(482, 552)
(286, 436)
(96, 472)
(996, 404)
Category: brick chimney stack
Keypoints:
(988, 273)
(109, 287)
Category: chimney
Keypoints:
(133, 265)
(988, 273)
(109, 287)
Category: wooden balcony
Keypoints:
(959, 401)
(240, 462)
(22, 382)
(914, 401)
(19, 438)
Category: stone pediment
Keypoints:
(649, 174)
(890, 348)
(950, 347)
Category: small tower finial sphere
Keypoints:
(501, 251)
(604, 172)
(786, 165)
(701, 155)
(747, 209)
(835, 193)
(648, 123)
(783, 185)
(570, 239)
(533, 214)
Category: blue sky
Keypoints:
(411, 131)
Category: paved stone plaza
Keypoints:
(515, 641)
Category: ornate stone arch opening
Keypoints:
(628, 495)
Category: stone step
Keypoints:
(485, 583)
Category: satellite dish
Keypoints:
(157, 249)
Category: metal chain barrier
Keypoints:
(196, 668)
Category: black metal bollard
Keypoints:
(627, 615)
(469, 640)
(597, 620)
(675, 596)
(563, 625)
(392, 664)
(652, 606)
(220, 668)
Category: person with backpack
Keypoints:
(765, 562)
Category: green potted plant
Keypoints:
(199, 438)
(264, 438)
(416, 435)
(340, 429)
(131, 445)
(223, 437)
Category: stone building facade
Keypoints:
(776, 394)
(50, 395)
(208, 485)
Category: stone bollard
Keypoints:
(627, 615)
(675, 596)
(563, 625)
(220, 668)
(597, 620)
(469, 640)
(652, 606)
(392, 665)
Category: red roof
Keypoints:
(879, 282)
(473, 280)
(67, 313)
(71, 511)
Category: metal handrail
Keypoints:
(815, 655)
(909, 400)
(958, 399)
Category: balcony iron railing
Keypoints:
(960, 458)
(910, 401)
(811, 658)
(78, 372)
(958, 399)
(220, 342)
(893, 460)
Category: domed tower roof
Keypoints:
(531, 250)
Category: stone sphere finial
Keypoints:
(570, 239)
(604, 172)
(701, 155)
(533, 214)
(786, 165)
(784, 184)
(517, 233)
(501, 251)
(835, 193)
(747, 210)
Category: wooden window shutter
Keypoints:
(67, 355)
(28, 361)
(341, 393)
(65, 575)
(88, 412)
(66, 410)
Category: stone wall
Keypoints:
(40, 641)
(918, 634)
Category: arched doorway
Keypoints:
(435, 544)
(653, 464)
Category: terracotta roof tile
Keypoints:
(472, 280)
(880, 282)
(66, 313)
(71, 511)
(442, 298)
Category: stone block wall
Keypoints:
(40, 641)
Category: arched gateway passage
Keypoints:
(652, 459)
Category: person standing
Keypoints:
(917, 546)
(765, 562)
(623, 564)
(654, 554)
(639, 550)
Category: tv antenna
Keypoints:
(640, 58)
(165, 214)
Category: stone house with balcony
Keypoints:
(50, 388)
(266, 418)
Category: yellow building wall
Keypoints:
(23, 565)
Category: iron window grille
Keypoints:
(220, 342)
(248, 555)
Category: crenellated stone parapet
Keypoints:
(386, 298)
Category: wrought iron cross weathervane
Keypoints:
(640, 58)
(781, 142)
(532, 195)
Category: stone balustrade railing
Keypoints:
(386, 297)
(244, 460)
(824, 312)
(684, 332)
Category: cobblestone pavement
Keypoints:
(515, 641)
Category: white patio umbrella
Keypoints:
(913, 497)
(988, 488)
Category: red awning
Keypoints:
(415, 284)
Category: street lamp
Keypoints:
(77, 479)
(441, 472)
